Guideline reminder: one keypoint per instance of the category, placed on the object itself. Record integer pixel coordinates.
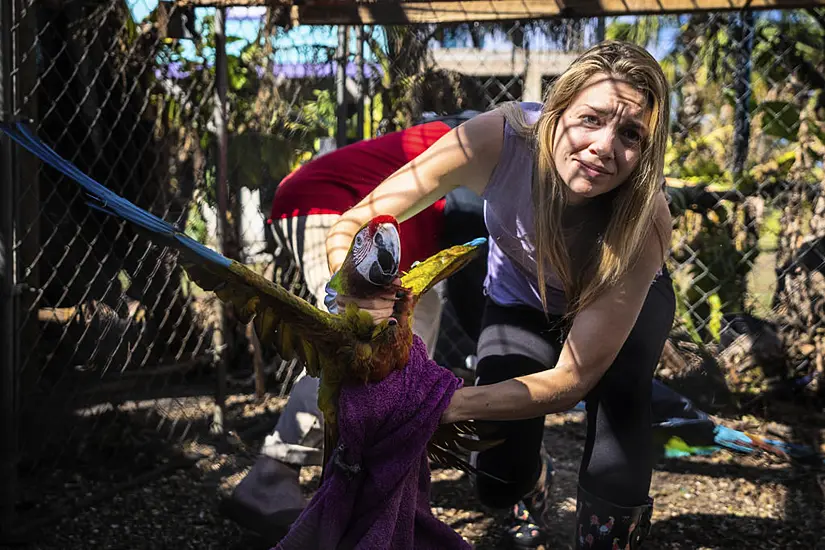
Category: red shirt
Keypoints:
(337, 181)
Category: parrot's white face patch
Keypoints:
(377, 254)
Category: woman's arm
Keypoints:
(464, 156)
(595, 339)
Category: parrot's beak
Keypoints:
(387, 243)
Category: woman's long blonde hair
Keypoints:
(633, 205)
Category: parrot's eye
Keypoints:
(359, 240)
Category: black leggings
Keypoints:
(618, 454)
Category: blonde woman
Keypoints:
(578, 304)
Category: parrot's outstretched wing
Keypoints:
(428, 273)
(295, 327)
(451, 443)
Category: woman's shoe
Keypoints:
(524, 533)
(530, 515)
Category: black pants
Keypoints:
(618, 454)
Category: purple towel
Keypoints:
(377, 491)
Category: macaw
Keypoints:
(337, 348)
(737, 441)
(681, 429)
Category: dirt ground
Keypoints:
(721, 501)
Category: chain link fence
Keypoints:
(115, 351)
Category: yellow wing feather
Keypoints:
(426, 274)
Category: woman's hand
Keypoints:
(380, 307)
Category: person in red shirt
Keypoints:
(307, 203)
(329, 185)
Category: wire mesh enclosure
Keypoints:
(111, 357)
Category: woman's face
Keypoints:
(598, 137)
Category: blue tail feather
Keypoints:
(476, 242)
(732, 439)
(742, 442)
(103, 199)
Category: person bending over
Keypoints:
(578, 302)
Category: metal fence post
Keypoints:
(223, 342)
(8, 409)
(362, 83)
(341, 86)
(742, 31)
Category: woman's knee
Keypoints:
(509, 471)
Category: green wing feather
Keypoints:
(295, 327)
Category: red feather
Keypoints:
(378, 220)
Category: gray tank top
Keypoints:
(508, 213)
